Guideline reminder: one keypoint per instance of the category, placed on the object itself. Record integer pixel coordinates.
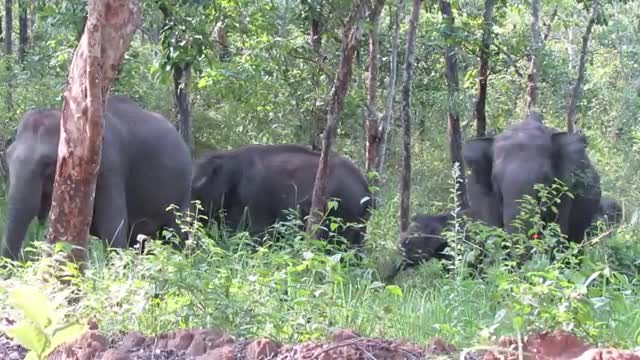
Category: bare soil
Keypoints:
(211, 344)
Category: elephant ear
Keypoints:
(569, 153)
(478, 156)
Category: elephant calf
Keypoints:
(145, 167)
(610, 212)
(264, 180)
(423, 240)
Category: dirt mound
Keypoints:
(210, 344)
(556, 345)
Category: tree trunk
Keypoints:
(318, 110)
(453, 118)
(337, 95)
(405, 115)
(531, 96)
(315, 34)
(385, 123)
(181, 79)
(8, 51)
(372, 126)
(219, 37)
(109, 30)
(23, 31)
(8, 30)
(577, 87)
(80, 31)
(479, 111)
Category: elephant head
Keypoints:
(423, 240)
(31, 161)
(214, 178)
(506, 167)
(611, 210)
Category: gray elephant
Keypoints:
(264, 180)
(506, 167)
(610, 212)
(423, 240)
(145, 168)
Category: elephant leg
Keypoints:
(110, 213)
(563, 218)
(581, 217)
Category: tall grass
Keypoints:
(294, 289)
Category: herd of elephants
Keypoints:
(146, 167)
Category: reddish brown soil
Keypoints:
(209, 344)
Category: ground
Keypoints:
(212, 344)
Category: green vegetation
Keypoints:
(264, 90)
(293, 290)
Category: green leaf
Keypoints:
(31, 355)
(33, 303)
(29, 337)
(518, 322)
(394, 290)
(65, 334)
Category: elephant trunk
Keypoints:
(513, 194)
(23, 204)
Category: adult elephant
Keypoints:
(263, 180)
(506, 167)
(145, 168)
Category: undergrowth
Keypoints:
(292, 288)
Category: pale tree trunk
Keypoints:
(23, 30)
(453, 117)
(577, 87)
(531, 95)
(385, 122)
(337, 95)
(371, 125)
(181, 79)
(405, 115)
(480, 110)
(108, 32)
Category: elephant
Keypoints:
(264, 180)
(423, 239)
(505, 167)
(145, 167)
(610, 212)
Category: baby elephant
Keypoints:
(610, 212)
(423, 240)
